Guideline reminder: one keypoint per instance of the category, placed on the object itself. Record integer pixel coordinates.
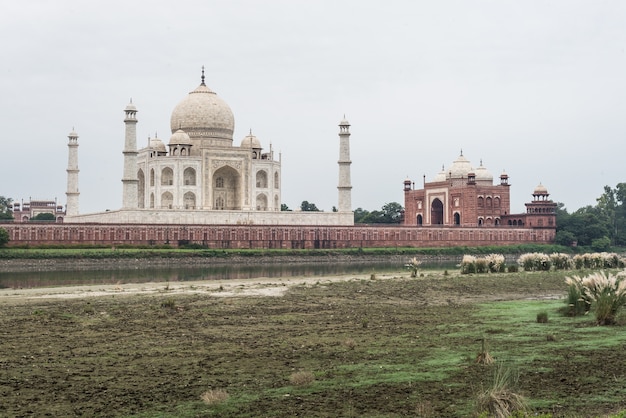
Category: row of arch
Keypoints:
(488, 202)
(189, 178)
(189, 201)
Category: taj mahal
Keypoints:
(203, 188)
(201, 176)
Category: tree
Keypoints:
(305, 206)
(392, 213)
(284, 208)
(5, 205)
(4, 237)
(43, 217)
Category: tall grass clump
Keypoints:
(468, 264)
(301, 378)
(535, 262)
(214, 396)
(561, 261)
(492, 263)
(602, 260)
(413, 266)
(604, 292)
(500, 398)
(578, 301)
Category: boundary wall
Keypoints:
(279, 236)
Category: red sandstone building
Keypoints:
(466, 197)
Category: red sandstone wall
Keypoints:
(264, 236)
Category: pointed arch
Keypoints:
(436, 212)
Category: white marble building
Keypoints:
(201, 177)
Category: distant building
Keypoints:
(25, 211)
(465, 196)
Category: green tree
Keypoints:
(359, 215)
(284, 208)
(305, 206)
(4, 237)
(5, 208)
(43, 217)
(392, 213)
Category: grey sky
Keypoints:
(536, 88)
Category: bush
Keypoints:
(301, 378)
(561, 261)
(4, 237)
(535, 262)
(214, 396)
(604, 292)
(542, 317)
(500, 399)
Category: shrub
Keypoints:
(413, 265)
(482, 266)
(500, 400)
(604, 292)
(561, 261)
(4, 237)
(578, 302)
(496, 263)
(468, 264)
(214, 396)
(301, 378)
(535, 262)
(542, 317)
(513, 268)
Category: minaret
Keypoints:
(72, 192)
(129, 180)
(344, 187)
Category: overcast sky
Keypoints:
(535, 88)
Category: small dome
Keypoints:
(344, 121)
(72, 134)
(460, 168)
(441, 176)
(540, 190)
(130, 107)
(250, 141)
(180, 138)
(483, 174)
(157, 144)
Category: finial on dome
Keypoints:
(481, 162)
(202, 78)
(250, 131)
(461, 152)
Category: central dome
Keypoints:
(204, 115)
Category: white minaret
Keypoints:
(72, 192)
(344, 187)
(129, 180)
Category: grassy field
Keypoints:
(362, 347)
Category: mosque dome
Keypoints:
(180, 137)
(460, 167)
(483, 174)
(441, 176)
(203, 114)
(157, 144)
(250, 141)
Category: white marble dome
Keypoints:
(460, 168)
(180, 137)
(483, 174)
(250, 141)
(203, 114)
(157, 144)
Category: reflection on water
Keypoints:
(182, 273)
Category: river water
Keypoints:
(32, 279)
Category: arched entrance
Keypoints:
(457, 218)
(226, 189)
(436, 212)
